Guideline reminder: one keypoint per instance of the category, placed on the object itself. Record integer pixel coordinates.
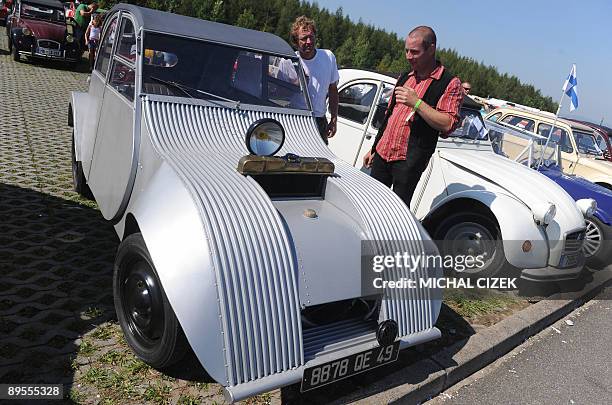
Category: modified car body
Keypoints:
(545, 157)
(469, 198)
(37, 29)
(580, 153)
(253, 260)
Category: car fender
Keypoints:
(516, 223)
(79, 112)
(180, 252)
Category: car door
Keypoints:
(112, 169)
(375, 120)
(97, 84)
(356, 99)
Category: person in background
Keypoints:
(322, 74)
(467, 87)
(425, 104)
(82, 17)
(92, 38)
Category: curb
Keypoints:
(429, 377)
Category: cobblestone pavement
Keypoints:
(56, 252)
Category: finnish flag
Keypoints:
(571, 88)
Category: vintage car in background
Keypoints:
(471, 200)
(37, 29)
(545, 157)
(241, 234)
(5, 9)
(602, 136)
(580, 153)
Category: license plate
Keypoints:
(50, 52)
(569, 260)
(327, 373)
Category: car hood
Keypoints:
(524, 183)
(579, 188)
(45, 30)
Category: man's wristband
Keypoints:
(417, 105)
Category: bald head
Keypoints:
(426, 34)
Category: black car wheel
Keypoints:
(472, 234)
(78, 177)
(144, 313)
(15, 53)
(597, 243)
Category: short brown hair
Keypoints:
(302, 23)
(427, 34)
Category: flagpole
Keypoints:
(551, 130)
(572, 72)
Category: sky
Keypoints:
(537, 40)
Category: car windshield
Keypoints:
(191, 68)
(587, 144)
(527, 147)
(42, 13)
(471, 125)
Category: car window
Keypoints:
(558, 136)
(494, 117)
(122, 79)
(127, 40)
(381, 105)
(41, 12)
(106, 47)
(184, 67)
(586, 143)
(472, 125)
(601, 142)
(519, 122)
(355, 102)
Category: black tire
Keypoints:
(459, 235)
(144, 313)
(597, 243)
(78, 177)
(15, 53)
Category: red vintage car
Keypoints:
(37, 29)
(5, 9)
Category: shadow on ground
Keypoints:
(56, 259)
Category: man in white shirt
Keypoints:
(321, 73)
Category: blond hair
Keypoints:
(302, 23)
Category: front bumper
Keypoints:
(63, 58)
(551, 273)
(261, 385)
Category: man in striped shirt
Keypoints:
(424, 105)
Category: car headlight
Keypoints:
(587, 206)
(265, 137)
(69, 38)
(26, 31)
(544, 213)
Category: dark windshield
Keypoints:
(42, 13)
(220, 72)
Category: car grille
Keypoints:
(337, 336)
(45, 43)
(574, 241)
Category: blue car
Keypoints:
(598, 238)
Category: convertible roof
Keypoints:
(159, 21)
(46, 3)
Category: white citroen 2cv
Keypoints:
(252, 260)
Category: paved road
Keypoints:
(570, 367)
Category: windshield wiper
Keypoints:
(184, 88)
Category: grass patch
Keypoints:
(76, 396)
(114, 358)
(474, 303)
(103, 332)
(93, 312)
(157, 393)
(86, 348)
